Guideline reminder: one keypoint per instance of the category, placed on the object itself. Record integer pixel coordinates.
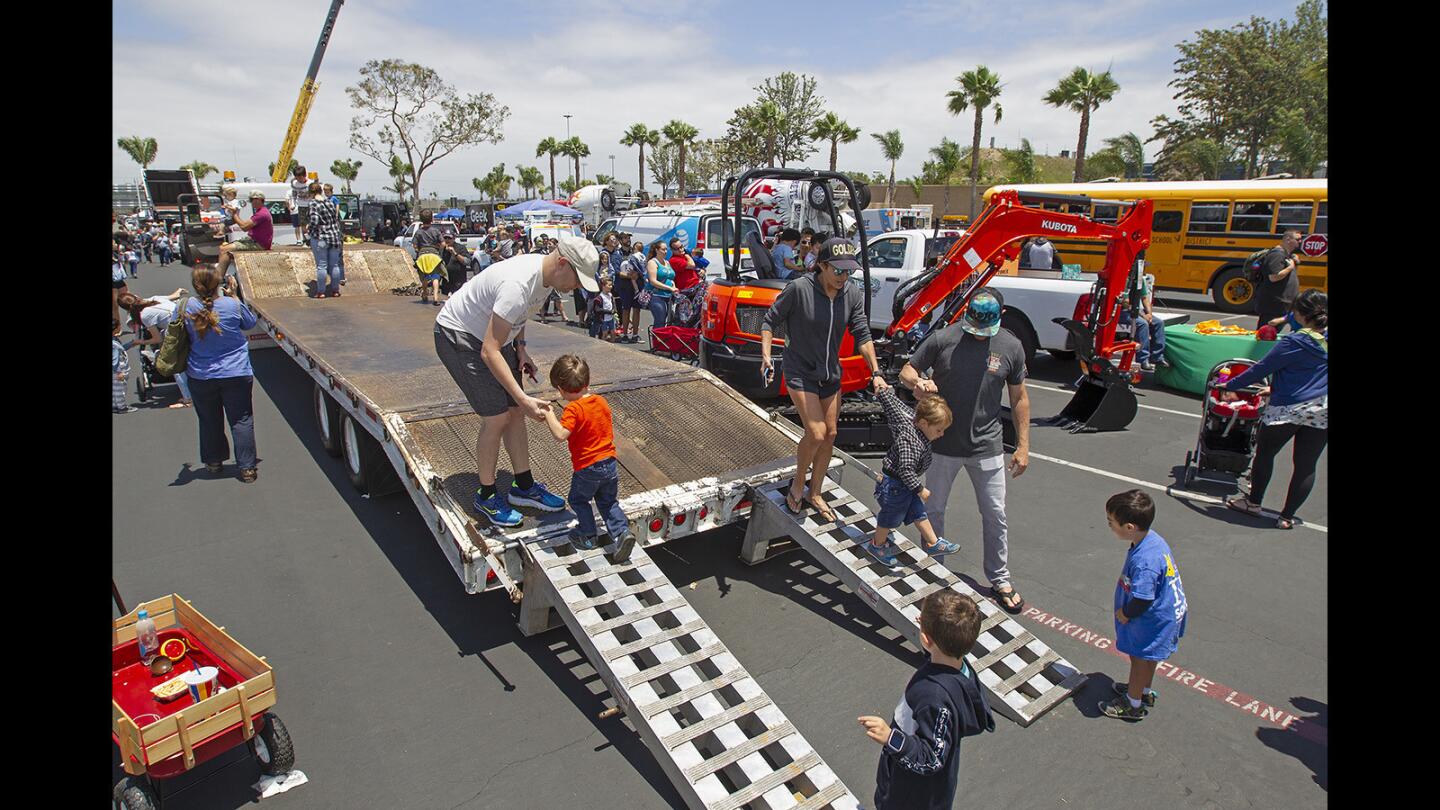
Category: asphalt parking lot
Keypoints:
(402, 691)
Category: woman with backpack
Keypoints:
(221, 378)
(1299, 408)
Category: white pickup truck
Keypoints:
(1033, 298)
(406, 239)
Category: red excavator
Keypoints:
(735, 305)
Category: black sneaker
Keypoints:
(1120, 709)
(1147, 698)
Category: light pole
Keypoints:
(573, 178)
(612, 168)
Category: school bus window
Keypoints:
(1322, 217)
(1294, 215)
(1252, 217)
(1208, 217)
(1108, 214)
(1167, 221)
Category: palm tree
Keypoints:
(892, 147)
(979, 88)
(946, 164)
(768, 120)
(499, 182)
(346, 170)
(575, 148)
(288, 171)
(1020, 164)
(830, 128)
(141, 150)
(641, 136)
(916, 184)
(680, 134)
(398, 171)
(200, 169)
(530, 179)
(1131, 150)
(1082, 91)
(550, 147)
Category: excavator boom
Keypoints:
(307, 96)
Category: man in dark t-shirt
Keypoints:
(972, 363)
(427, 236)
(1281, 281)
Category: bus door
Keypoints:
(1167, 237)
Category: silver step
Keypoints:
(1025, 678)
(717, 735)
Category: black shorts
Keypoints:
(624, 295)
(117, 283)
(821, 389)
(460, 353)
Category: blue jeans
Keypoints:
(660, 309)
(599, 482)
(897, 504)
(221, 400)
(164, 256)
(133, 267)
(1151, 337)
(184, 383)
(327, 269)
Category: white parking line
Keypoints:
(1147, 407)
(1172, 492)
(1233, 317)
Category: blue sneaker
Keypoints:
(498, 511)
(583, 543)
(941, 547)
(884, 554)
(537, 496)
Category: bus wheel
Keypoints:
(1232, 291)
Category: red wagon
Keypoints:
(159, 740)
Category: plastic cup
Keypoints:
(201, 682)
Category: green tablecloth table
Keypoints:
(1192, 356)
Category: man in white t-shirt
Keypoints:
(480, 338)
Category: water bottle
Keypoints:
(148, 638)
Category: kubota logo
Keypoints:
(1065, 227)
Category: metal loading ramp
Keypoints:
(1024, 677)
(718, 736)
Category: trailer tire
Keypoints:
(365, 461)
(272, 747)
(1019, 325)
(132, 793)
(327, 421)
(1232, 291)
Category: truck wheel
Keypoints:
(133, 793)
(1017, 324)
(1232, 291)
(607, 200)
(365, 460)
(272, 747)
(327, 419)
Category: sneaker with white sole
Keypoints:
(498, 511)
(536, 496)
(1120, 709)
(1147, 698)
(582, 542)
(884, 554)
(941, 547)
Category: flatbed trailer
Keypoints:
(693, 455)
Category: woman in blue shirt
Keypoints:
(660, 282)
(220, 374)
(1299, 407)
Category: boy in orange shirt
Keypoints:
(586, 425)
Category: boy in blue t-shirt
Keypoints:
(1150, 609)
(942, 703)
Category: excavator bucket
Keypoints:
(1103, 398)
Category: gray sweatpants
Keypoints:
(987, 475)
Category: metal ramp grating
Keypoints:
(1025, 678)
(717, 735)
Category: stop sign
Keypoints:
(1315, 245)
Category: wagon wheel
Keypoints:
(133, 794)
(272, 747)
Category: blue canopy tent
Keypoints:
(453, 213)
(539, 206)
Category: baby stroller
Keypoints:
(1228, 429)
(681, 337)
(149, 375)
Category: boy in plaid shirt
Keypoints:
(901, 491)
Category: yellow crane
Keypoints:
(307, 95)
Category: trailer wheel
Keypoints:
(1020, 327)
(365, 461)
(133, 794)
(272, 747)
(327, 419)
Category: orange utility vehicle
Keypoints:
(736, 306)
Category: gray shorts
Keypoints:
(460, 353)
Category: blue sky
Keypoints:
(880, 66)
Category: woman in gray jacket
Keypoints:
(814, 311)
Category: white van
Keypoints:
(693, 224)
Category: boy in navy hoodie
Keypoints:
(943, 702)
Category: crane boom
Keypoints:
(307, 96)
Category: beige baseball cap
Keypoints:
(582, 255)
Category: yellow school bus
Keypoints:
(1202, 232)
